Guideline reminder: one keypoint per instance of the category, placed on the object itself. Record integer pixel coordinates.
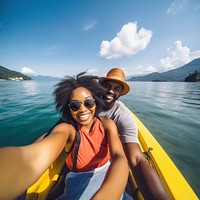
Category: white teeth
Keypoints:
(109, 97)
(84, 117)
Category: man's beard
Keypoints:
(109, 100)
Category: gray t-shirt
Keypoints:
(126, 125)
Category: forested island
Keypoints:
(7, 74)
(194, 77)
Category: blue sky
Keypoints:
(65, 37)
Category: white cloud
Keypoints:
(178, 56)
(89, 25)
(92, 71)
(26, 70)
(150, 69)
(176, 6)
(140, 70)
(195, 54)
(127, 42)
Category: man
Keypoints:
(146, 178)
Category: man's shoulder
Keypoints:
(120, 105)
(118, 110)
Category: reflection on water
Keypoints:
(30, 87)
(170, 97)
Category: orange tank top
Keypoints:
(93, 150)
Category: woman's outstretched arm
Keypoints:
(21, 166)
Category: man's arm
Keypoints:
(146, 177)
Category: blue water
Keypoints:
(171, 111)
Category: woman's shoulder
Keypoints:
(107, 122)
(64, 124)
(68, 130)
(64, 127)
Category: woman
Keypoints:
(100, 170)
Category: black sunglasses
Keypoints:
(116, 88)
(75, 105)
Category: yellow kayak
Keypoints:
(51, 183)
(176, 185)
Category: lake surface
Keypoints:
(171, 111)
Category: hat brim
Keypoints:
(126, 87)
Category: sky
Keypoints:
(65, 37)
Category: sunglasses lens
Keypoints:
(105, 84)
(75, 105)
(89, 103)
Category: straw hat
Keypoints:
(117, 75)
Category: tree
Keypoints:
(194, 77)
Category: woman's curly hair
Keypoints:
(66, 86)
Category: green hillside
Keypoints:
(8, 74)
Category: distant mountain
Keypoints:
(178, 74)
(44, 78)
(8, 74)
